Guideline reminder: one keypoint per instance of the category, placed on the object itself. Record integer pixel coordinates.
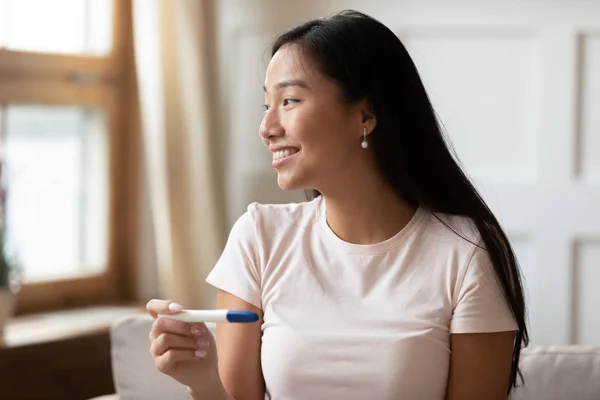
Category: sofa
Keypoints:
(551, 373)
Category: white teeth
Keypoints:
(284, 153)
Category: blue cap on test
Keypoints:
(241, 316)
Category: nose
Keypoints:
(270, 126)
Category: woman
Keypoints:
(394, 282)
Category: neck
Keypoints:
(364, 209)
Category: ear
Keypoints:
(368, 116)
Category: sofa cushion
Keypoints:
(134, 373)
(560, 373)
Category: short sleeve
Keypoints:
(479, 304)
(237, 271)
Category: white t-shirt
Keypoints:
(347, 321)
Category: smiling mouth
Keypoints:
(281, 154)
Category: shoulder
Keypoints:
(453, 231)
(272, 221)
(284, 215)
(448, 241)
(459, 240)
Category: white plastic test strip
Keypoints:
(213, 316)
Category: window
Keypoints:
(57, 26)
(56, 171)
(68, 159)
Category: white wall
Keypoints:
(517, 85)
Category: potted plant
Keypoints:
(8, 269)
(7, 288)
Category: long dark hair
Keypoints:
(368, 61)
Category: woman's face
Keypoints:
(312, 133)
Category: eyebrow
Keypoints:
(290, 82)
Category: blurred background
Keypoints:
(129, 146)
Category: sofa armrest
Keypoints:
(134, 374)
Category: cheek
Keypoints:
(317, 123)
(327, 151)
(325, 137)
(304, 127)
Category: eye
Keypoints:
(290, 101)
(266, 107)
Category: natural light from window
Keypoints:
(57, 26)
(56, 182)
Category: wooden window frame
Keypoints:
(107, 82)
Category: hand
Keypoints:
(184, 351)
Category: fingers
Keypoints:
(174, 342)
(157, 306)
(167, 341)
(177, 327)
(166, 363)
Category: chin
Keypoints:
(285, 185)
(289, 183)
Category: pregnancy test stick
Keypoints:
(212, 316)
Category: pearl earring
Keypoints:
(364, 144)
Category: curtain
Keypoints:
(170, 48)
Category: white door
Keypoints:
(517, 87)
